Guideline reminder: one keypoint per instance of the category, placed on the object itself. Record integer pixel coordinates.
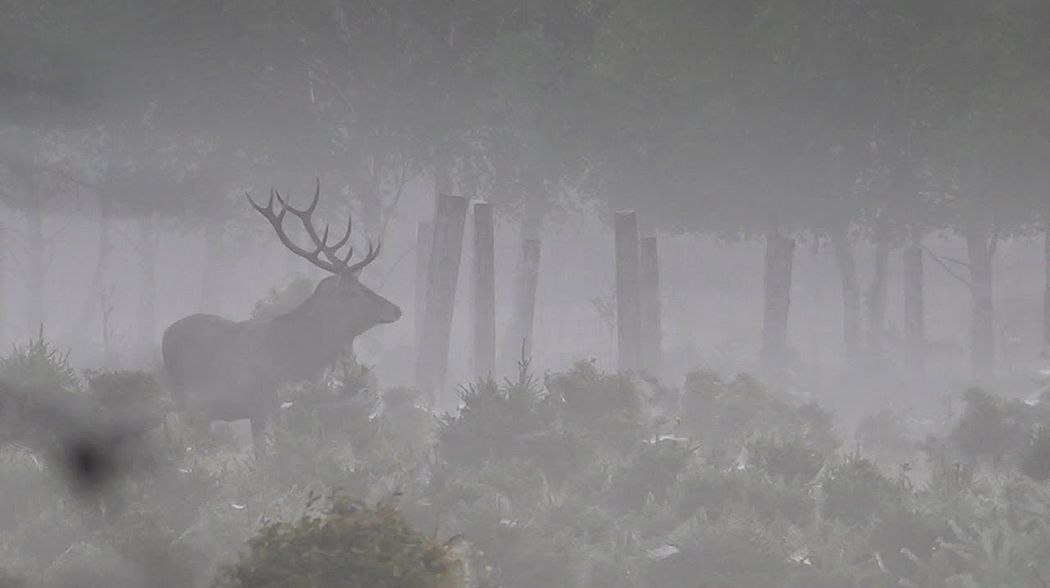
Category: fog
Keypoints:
(665, 294)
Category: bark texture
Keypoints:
(981, 249)
(518, 340)
(914, 308)
(780, 253)
(628, 306)
(1046, 294)
(851, 321)
(148, 243)
(484, 292)
(442, 276)
(649, 272)
(875, 299)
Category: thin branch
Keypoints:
(130, 240)
(952, 273)
(956, 261)
(49, 251)
(389, 209)
(71, 178)
(397, 262)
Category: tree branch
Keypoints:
(941, 263)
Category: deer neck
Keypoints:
(311, 339)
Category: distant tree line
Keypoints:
(884, 122)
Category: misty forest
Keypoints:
(524, 294)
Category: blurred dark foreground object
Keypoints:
(92, 439)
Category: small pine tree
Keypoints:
(351, 545)
(37, 365)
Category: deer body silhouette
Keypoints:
(227, 370)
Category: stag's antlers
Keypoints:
(332, 262)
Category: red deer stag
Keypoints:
(227, 371)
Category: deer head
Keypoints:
(340, 300)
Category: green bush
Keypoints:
(989, 429)
(856, 490)
(350, 545)
(1035, 459)
(607, 408)
(36, 365)
(791, 460)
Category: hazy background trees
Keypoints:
(850, 141)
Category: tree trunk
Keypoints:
(780, 253)
(914, 308)
(628, 308)
(649, 272)
(981, 249)
(148, 242)
(109, 351)
(847, 265)
(875, 299)
(519, 334)
(37, 247)
(518, 339)
(484, 292)
(94, 291)
(1046, 293)
(442, 275)
(4, 318)
(211, 282)
(371, 200)
(424, 243)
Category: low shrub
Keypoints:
(350, 545)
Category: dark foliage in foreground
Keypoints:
(579, 479)
(350, 545)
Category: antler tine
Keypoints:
(332, 261)
(257, 206)
(317, 197)
(373, 253)
(346, 237)
(280, 199)
(276, 220)
(306, 217)
(346, 258)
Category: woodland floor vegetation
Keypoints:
(576, 479)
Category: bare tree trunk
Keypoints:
(4, 318)
(442, 275)
(484, 292)
(211, 282)
(981, 249)
(424, 243)
(649, 272)
(628, 307)
(1046, 294)
(780, 254)
(518, 339)
(875, 299)
(372, 200)
(851, 323)
(148, 242)
(914, 308)
(105, 248)
(109, 352)
(37, 247)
